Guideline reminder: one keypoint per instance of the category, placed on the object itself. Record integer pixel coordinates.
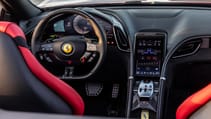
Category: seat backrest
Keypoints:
(196, 106)
(25, 84)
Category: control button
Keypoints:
(143, 103)
(150, 86)
(51, 49)
(153, 73)
(87, 54)
(157, 73)
(140, 44)
(48, 59)
(85, 57)
(156, 91)
(43, 49)
(155, 43)
(94, 55)
(69, 62)
(159, 44)
(41, 56)
(156, 86)
(46, 47)
(147, 68)
(83, 60)
(90, 59)
(91, 47)
(140, 89)
(155, 58)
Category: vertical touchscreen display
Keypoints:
(149, 53)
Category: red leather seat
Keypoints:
(23, 77)
(194, 103)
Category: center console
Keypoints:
(148, 59)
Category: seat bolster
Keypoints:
(194, 102)
(11, 29)
(57, 85)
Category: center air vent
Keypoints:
(121, 38)
(188, 48)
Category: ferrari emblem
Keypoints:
(67, 48)
(145, 114)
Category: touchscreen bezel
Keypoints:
(153, 35)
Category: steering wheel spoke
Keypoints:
(46, 47)
(44, 52)
(68, 72)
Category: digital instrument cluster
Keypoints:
(78, 25)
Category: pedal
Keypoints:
(115, 90)
(93, 89)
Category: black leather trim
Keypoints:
(20, 42)
(20, 90)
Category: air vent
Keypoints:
(188, 48)
(122, 41)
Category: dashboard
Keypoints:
(141, 42)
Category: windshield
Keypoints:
(51, 3)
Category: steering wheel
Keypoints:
(73, 51)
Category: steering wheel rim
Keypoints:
(97, 28)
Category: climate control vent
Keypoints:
(188, 48)
(121, 39)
